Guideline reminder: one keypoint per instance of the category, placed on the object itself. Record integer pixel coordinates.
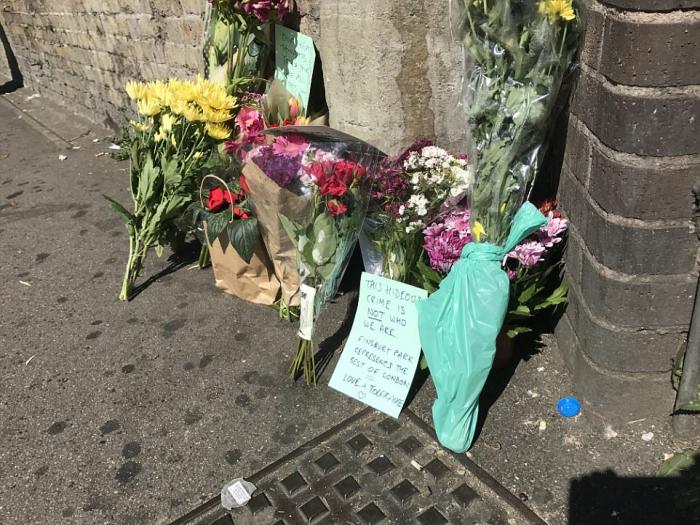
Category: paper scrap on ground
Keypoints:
(380, 357)
(294, 62)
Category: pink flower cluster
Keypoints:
(263, 10)
(443, 240)
(250, 124)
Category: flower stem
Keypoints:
(204, 256)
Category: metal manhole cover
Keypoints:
(372, 469)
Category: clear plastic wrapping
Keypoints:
(326, 178)
(412, 192)
(520, 51)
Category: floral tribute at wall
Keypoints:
(280, 201)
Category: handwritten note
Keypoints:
(294, 62)
(380, 357)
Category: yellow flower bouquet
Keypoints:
(170, 146)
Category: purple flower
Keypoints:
(443, 241)
(528, 253)
(551, 233)
(281, 169)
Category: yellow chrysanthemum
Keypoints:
(135, 90)
(148, 106)
(478, 230)
(157, 90)
(159, 136)
(173, 141)
(167, 122)
(214, 95)
(192, 114)
(217, 131)
(555, 9)
(503, 208)
(198, 155)
(139, 126)
(217, 116)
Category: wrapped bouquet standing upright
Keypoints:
(328, 174)
(522, 51)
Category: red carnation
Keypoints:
(216, 199)
(240, 213)
(336, 207)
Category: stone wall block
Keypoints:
(626, 245)
(643, 121)
(653, 5)
(615, 397)
(622, 350)
(645, 49)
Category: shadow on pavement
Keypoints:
(185, 257)
(16, 81)
(605, 497)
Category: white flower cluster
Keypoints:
(434, 176)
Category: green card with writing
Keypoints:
(380, 357)
(294, 62)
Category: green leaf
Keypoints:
(243, 235)
(171, 175)
(216, 224)
(147, 178)
(423, 362)
(292, 228)
(678, 368)
(121, 210)
(529, 292)
(518, 330)
(326, 270)
(325, 239)
(679, 462)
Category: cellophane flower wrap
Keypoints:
(236, 40)
(521, 51)
(332, 171)
(410, 191)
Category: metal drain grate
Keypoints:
(372, 469)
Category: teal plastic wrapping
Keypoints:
(458, 326)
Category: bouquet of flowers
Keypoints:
(530, 265)
(277, 107)
(325, 182)
(522, 50)
(170, 147)
(409, 192)
(236, 39)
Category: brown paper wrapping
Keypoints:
(269, 200)
(255, 281)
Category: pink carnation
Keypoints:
(443, 241)
(551, 233)
(528, 253)
(263, 10)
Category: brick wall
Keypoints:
(81, 52)
(632, 157)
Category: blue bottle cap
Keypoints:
(568, 406)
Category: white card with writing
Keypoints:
(381, 354)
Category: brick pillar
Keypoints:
(632, 156)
